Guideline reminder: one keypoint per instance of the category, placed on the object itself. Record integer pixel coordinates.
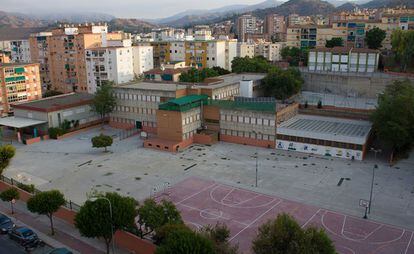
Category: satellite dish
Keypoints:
(162, 67)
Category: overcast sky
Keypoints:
(118, 8)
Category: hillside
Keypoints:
(130, 25)
(388, 3)
(191, 17)
(347, 7)
(17, 20)
(301, 7)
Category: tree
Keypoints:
(282, 84)
(393, 120)
(220, 71)
(219, 235)
(185, 241)
(257, 64)
(104, 101)
(102, 141)
(94, 218)
(196, 76)
(403, 47)
(152, 216)
(317, 241)
(46, 203)
(7, 152)
(284, 236)
(374, 38)
(334, 42)
(295, 55)
(10, 195)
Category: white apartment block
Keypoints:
(108, 64)
(20, 51)
(270, 51)
(343, 59)
(142, 59)
(177, 51)
(230, 53)
(245, 49)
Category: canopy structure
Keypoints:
(19, 122)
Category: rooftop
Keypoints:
(344, 50)
(55, 103)
(184, 103)
(229, 79)
(165, 86)
(326, 128)
(269, 107)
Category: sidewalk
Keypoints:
(66, 235)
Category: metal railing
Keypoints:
(69, 203)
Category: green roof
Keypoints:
(242, 105)
(184, 103)
(188, 99)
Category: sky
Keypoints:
(120, 8)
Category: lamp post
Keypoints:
(257, 156)
(375, 151)
(93, 199)
(372, 188)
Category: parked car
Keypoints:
(60, 251)
(23, 235)
(6, 224)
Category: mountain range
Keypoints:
(194, 17)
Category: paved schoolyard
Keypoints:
(76, 168)
(204, 202)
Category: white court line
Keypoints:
(311, 218)
(355, 240)
(227, 194)
(409, 242)
(343, 226)
(255, 220)
(199, 210)
(195, 194)
(236, 206)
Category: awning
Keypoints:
(19, 122)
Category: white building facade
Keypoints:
(20, 51)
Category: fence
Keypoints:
(69, 204)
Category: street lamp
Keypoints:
(372, 187)
(375, 151)
(93, 199)
(257, 155)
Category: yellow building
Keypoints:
(19, 82)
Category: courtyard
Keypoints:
(74, 167)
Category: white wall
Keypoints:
(317, 149)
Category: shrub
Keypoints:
(55, 132)
(26, 187)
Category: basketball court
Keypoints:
(204, 202)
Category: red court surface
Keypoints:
(203, 202)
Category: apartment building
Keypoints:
(270, 51)
(118, 62)
(275, 26)
(39, 53)
(4, 58)
(19, 82)
(67, 46)
(245, 49)
(20, 51)
(343, 59)
(308, 36)
(196, 53)
(246, 24)
(297, 20)
(142, 59)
